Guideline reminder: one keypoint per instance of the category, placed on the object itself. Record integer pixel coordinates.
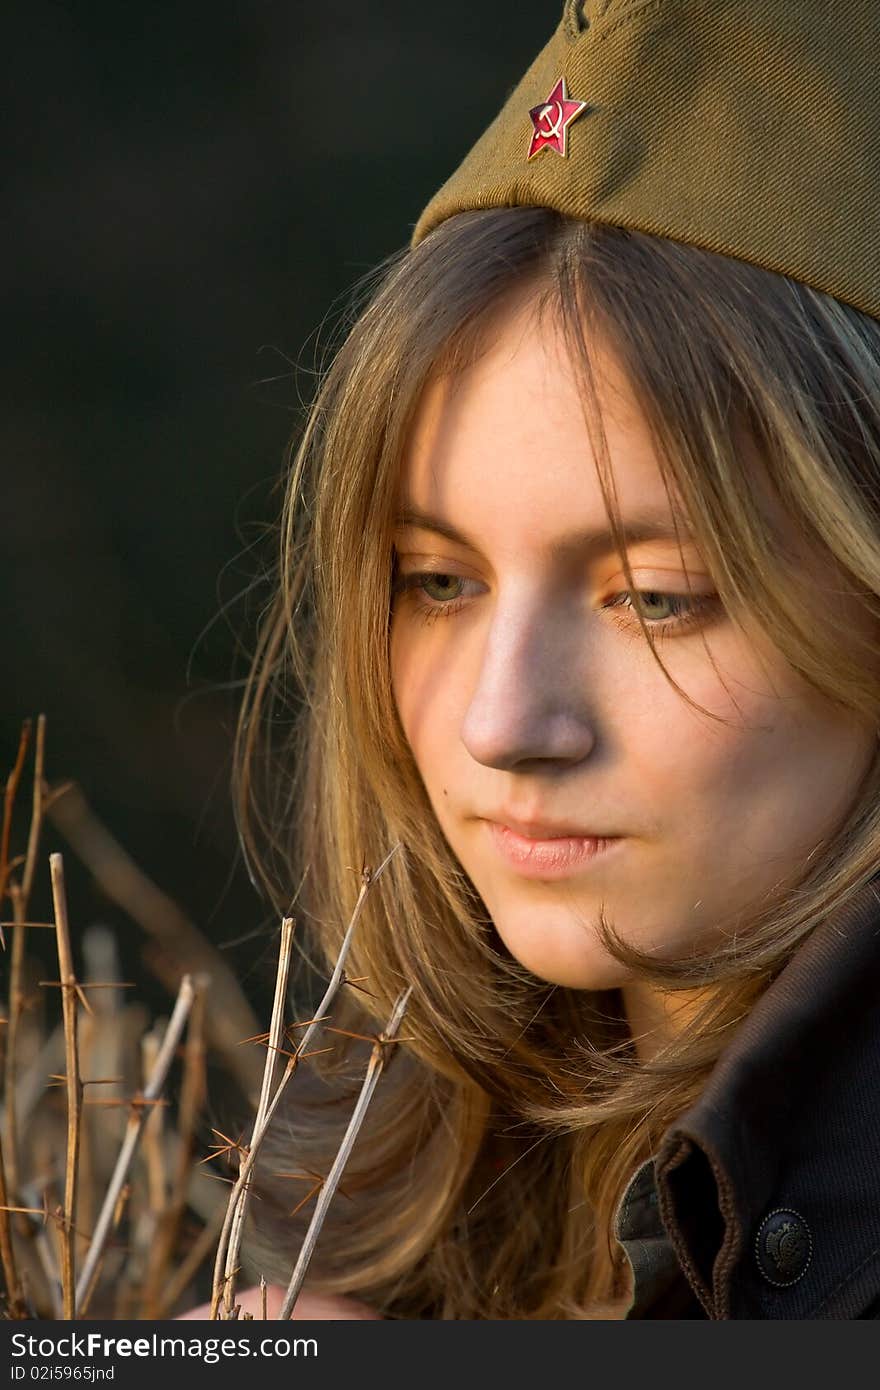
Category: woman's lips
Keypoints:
(548, 858)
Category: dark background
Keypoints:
(191, 193)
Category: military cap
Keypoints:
(746, 127)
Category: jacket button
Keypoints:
(783, 1247)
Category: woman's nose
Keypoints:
(528, 701)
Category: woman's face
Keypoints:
(528, 693)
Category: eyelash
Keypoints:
(699, 605)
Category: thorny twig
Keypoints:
(374, 1071)
(276, 1032)
(10, 1271)
(19, 894)
(69, 991)
(192, 1093)
(39, 806)
(367, 879)
(12, 782)
(132, 1135)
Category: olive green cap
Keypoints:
(746, 127)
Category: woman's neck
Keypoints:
(656, 1017)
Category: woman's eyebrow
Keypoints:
(645, 527)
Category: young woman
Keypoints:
(578, 602)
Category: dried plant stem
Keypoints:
(14, 1012)
(37, 810)
(181, 946)
(12, 782)
(328, 1187)
(140, 1110)
(192, 1094)
(7, 1256)
(20, 896)
(276, 1038)
(74, 1084)
(153, 1129)
(368, 878)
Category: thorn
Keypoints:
(358, 987)
(226, 1148)
(282, 1050)
(319, 1018)
(217, 1177)
(310, 1173)
(364, 1037)
(308, 1196)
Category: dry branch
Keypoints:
(133, 1130)
(69, 992)
(368, 878)
(153, 1130)
(12, 782)
(328, 1187)
(276, 1035)
(135, 1248)
(7, 1256)
(38, 808)
(192, 1094)
(231, 1016)
(19, 894)
(14, 1012)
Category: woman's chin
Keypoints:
(562, 952)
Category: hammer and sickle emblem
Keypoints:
(551, 119)
(553, 128)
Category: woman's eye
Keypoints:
(686, 609)
(440, 587)
(434, 592)
(437, 593)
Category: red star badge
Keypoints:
(551, 121)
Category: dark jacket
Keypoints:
(763, 1200)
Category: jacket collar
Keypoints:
(769, 1185)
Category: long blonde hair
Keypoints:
(505, 1129)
